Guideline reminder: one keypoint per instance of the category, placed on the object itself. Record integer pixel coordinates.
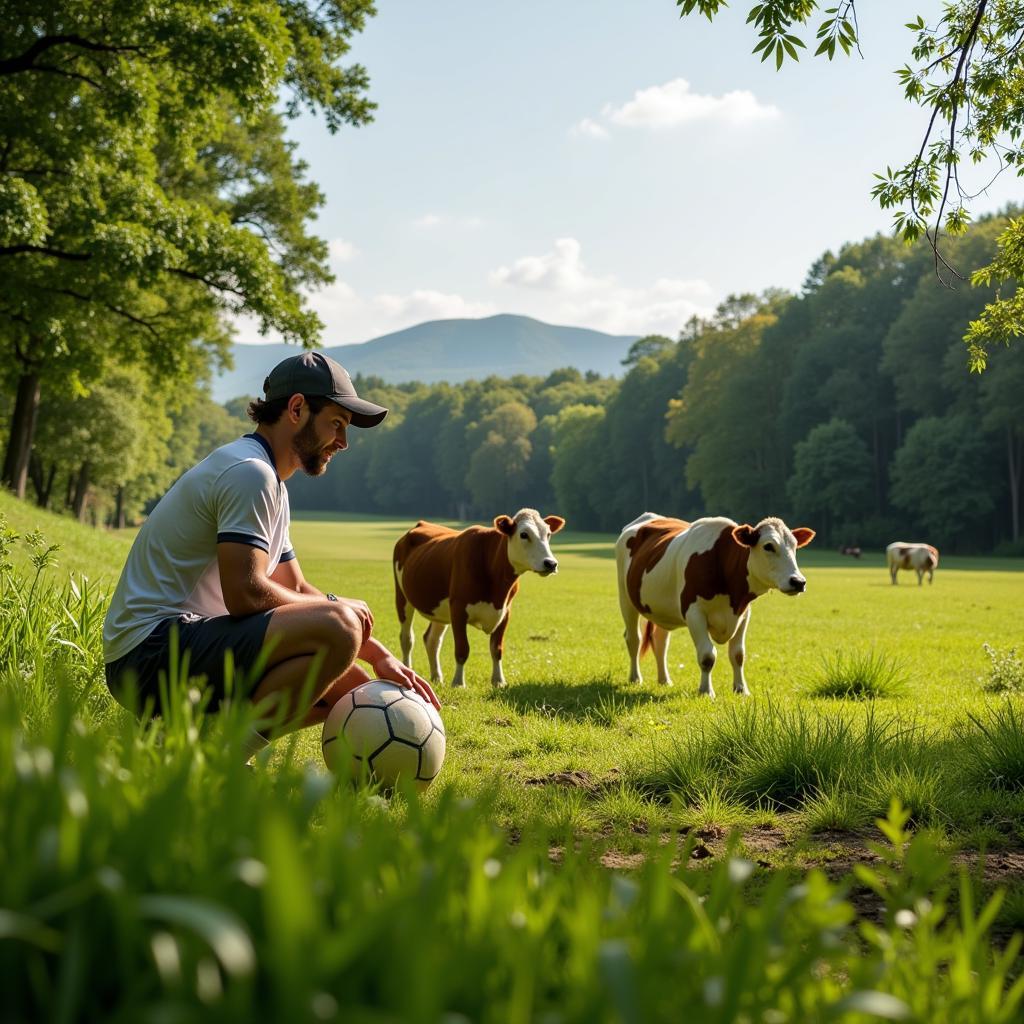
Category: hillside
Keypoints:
(450, 350)
(82, 548)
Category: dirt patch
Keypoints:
(998, 867)
(576, 779)
(573, 779)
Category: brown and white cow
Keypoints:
(702, 575)
(922, 558)
(468, 578)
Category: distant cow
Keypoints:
(702, 575)
(922, 558)
(850, 549)
(468, 578)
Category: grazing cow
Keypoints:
(468, 578)
(922, 558)
(850, 549)
(702, 575)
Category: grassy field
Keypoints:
(574, 765)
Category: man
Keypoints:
(212, 569)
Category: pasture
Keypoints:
(614, 751)
(602, 791)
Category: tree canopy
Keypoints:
(966, 71)
(146, 188)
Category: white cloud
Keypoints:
(674, 104)
(588, 128)
(557, 287)
(425, 304)
(436, 220)
(560, 270)
(340, 251)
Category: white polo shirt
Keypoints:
(234, 494)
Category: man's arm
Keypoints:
(289, 574)
(247, 587)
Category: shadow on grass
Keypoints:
(600, 700)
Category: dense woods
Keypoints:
(848, 406)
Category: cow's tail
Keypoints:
(935, 555)
(646, 638)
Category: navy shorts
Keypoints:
(207, 641)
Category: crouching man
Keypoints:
(213, 569)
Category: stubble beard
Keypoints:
(313, 455)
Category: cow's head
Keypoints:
(772, 558)
(529, 540)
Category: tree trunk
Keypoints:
(1014, 450)
(23, 429)
(41, 480)
(69, 491)
(81, 492)
(119, 522)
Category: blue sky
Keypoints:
(600, 163)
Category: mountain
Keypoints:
(451, 350)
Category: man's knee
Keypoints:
(342, 627)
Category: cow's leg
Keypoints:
(893, 569)
(631, 618)
(705, 648)
(497, 649)
(920, 576)
(405, 633)
(737, 653)
(432, 637)
(460, 620)
(659, 641)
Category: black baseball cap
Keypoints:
(314, 374)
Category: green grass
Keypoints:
(143, 868)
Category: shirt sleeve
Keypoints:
(287, 552)
(244, 503)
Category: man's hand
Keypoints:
(387, 666)
(363, 613)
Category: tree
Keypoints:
(497, 473)
(577, 476)
(107, 217)
(727, 417)
(831, 476)
(966, 71)
(944, 477)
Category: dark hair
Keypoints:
(267, 413)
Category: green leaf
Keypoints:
(223, 932)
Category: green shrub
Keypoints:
(1005, 670)
(861, 676)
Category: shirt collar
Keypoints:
(265, 445)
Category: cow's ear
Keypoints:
(745, 535)
(804, 535)
(506, 524)
(555, 523)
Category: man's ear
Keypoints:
(804, 535)
(745, 535)
(506, 524)
(295, 404)
(555, 523)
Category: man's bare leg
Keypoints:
(322, 639)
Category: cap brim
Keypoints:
(364, 414)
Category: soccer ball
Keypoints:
(386, 731)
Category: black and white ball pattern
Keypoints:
(387, 729)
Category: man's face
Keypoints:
(320, 437)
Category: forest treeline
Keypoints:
(848, 407)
